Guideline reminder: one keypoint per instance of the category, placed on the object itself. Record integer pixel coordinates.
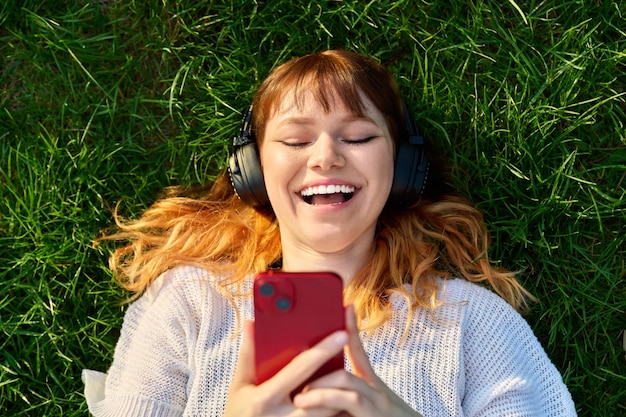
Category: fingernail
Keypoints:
(341, 338)
(299, 401)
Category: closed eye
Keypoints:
(300, 143)
(360, 141)
(295, 143)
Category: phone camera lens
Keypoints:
(283, 304)
(266, 290)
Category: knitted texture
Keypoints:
(474, 356)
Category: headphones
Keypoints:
(409, 175)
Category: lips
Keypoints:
(327, 194)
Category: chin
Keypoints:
(329, 244)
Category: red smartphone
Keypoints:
(292, 312)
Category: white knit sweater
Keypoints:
(475, 356)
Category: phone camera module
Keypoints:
(266, 290)
(283, 304)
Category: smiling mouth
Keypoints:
(327, 194)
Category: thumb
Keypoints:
(245, 373)
(355, 351)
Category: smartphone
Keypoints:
(292, 312)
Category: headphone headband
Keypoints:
(245, 131)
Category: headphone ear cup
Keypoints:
(246, 175)
(411, 167)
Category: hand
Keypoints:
(361, 394)
(272, 398)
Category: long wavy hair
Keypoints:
(441, 235)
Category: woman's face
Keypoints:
(328, 175)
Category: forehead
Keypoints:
(294, 103)
(305, 111)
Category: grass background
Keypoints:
(109, 100)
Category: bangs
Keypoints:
(327, 77)
(326, 86)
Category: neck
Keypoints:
(346, 263)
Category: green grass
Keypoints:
(112, 100)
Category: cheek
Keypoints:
(279, 170)
(385, 164)
(273, 164)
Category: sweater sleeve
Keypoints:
(150, 369)
(507, 372)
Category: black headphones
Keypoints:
(409, 176)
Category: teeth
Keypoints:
(327, 189)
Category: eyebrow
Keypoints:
(299, 120)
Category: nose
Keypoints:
(326, 153)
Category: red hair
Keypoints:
(329, 75)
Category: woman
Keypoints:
(332, 176)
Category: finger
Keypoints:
(355, 351)
(245, 373)
(296, 372)
(353, 402)
(340, 380)
(317, 412)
